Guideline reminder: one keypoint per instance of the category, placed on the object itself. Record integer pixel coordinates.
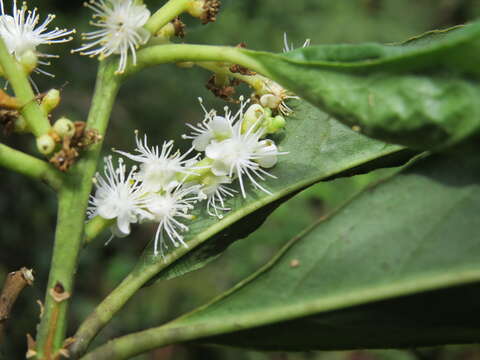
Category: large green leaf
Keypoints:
(423, 93)
(318, 148)
(399, 266)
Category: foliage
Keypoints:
(363, 277)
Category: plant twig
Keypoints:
(30, 166)
(174, 53)
(69, 236)
(14, 284)
(165, 14)
(31, 111)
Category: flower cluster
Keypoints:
(121, 30)
(167, 185)
(22, 36)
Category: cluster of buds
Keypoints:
(165, 185)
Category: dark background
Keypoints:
(159, 102)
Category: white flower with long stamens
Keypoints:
(22, 33)
(121, 30)
(167, 207)
(243, 155)
(160, 169)
(214, 127)
(289, 47)
(216, 190)
(119, 196)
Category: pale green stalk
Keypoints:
(36, 119)
(165, 14)
(69, 236)
(30, 166)
(161, 54)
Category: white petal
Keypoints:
(267, 154)
(108, 210)
(221, 128)
(123, 223)
(201, 142)
(116, 232)
(215, 150)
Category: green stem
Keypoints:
(31, 111)
(73, 201)
(30, 166)
(128, 346)
(165, 14)
(161, 54)
(104, 312)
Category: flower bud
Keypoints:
(271, 101)
(275, 124)
(29, 61)
(45, 144)
(64, 127)
(51, 100)
(253, 117)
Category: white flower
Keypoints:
(21, 33)
(244, 154)
(166, 208)
(214, 127)
(216, 190)
(119, 196)
(121, 30)
(160, 169)
(289, 47)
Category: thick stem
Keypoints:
(69, 236)
(30, 166)
(165, 14)
(31, 111)
(161, 54)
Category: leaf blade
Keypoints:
(421, 94)
(352, 276)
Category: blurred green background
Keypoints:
(159, 102)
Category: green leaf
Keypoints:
(422, 93)
(318, 147)
(397, 267)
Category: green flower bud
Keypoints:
(29, 61)
(45, 144)
(64, 127)
(51, 100)
(275, 124)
